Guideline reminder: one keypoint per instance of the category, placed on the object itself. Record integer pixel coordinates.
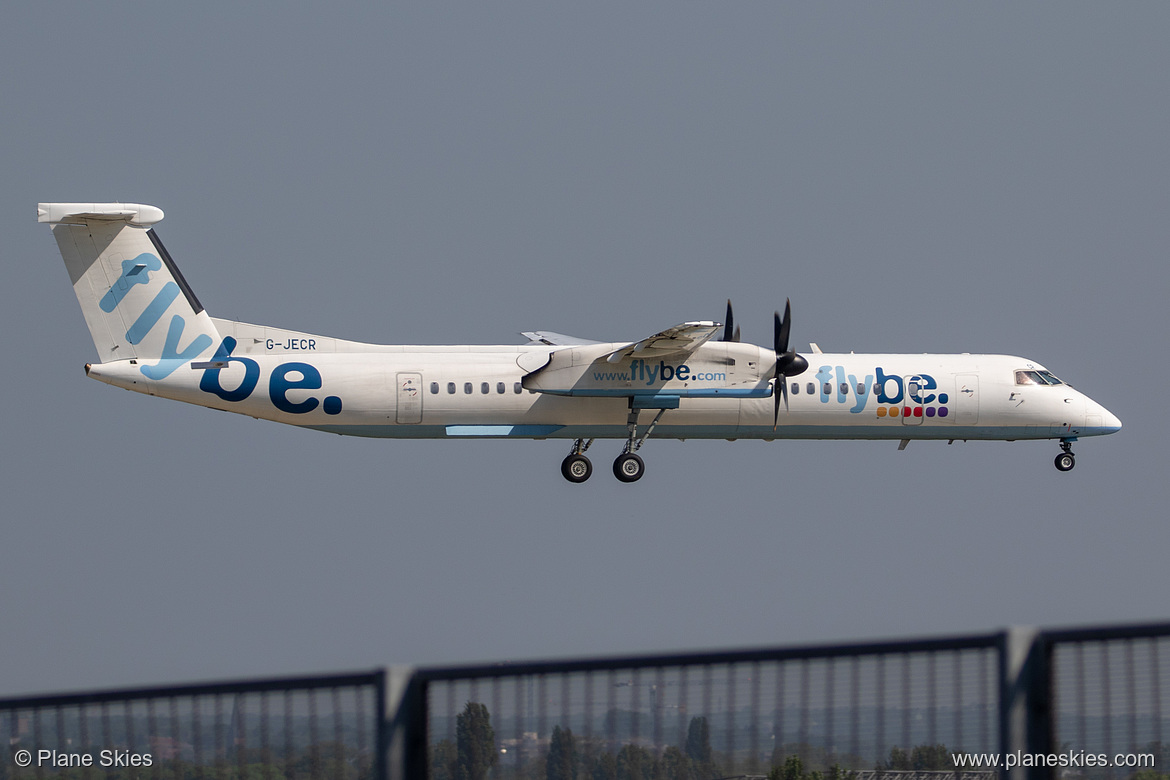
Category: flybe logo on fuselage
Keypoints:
(894, 395)
(285, 377)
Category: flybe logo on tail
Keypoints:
(135, 272)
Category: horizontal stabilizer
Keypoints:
(134, 213)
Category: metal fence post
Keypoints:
(403, 726)
(1024, 712)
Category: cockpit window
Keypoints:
(1036, 378)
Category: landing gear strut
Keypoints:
(1066, 460)
(576, 467)
(629, 467)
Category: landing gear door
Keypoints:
(912, 403)
(410, 399)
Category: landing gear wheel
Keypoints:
(1065, 461)
(628, 467)
(576, 468)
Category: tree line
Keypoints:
(474, 755)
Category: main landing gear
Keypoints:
(576, 467)
(1066, 460)
(628, 467)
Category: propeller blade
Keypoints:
(730, 332)
(782, 328)
(781, 389)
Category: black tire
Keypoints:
(628, 467)
(576, 468)
(1065, 461)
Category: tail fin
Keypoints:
(136, 303)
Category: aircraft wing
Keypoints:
(551, 339)
(681, 339)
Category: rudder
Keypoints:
(133, 297)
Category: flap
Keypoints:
(680, 340)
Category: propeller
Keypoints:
(787, 363)
(730, 333)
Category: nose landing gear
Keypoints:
(1065, 460)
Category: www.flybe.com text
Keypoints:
(1067, 759)
(641, 371)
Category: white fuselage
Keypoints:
(522, 391)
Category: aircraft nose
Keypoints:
(1100, 421)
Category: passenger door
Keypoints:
(410, 398)
(966, 400)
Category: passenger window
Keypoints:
(500, 388)
(810, 388)
(827, 389)
(434, 388)
(861, 389)
(844, 389)
(517, 388)
(796, 388)
(467, 388)
(484, 388)
(451, 388)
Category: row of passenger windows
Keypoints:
(1022, 378)
(827, 388)
(484, 387)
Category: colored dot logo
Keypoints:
(916, 411)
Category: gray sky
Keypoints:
(917, 177)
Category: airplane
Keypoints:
(695, 380)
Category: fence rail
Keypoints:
(898, 710)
